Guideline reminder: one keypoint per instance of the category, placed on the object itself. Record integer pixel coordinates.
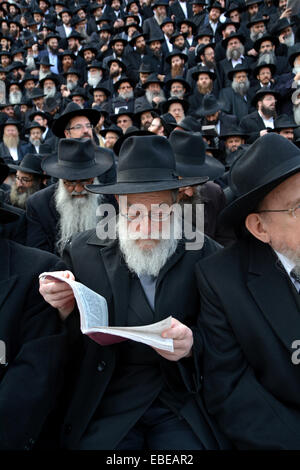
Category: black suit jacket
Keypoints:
(91, 262)
(235, 104)
(35, 346)
(177, 11)
(250, 318)
(252, 124)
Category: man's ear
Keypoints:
(257, 228)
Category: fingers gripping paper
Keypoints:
(94, 320)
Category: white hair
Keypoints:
(76, 214)
(148, 261)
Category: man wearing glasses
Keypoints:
(55, 213)
(250, 302)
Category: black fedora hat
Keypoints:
(210, 105)
(203, 69)
(269, 161)
(124, 79)
(232, 132)
(281, 25)
(31, 163)
(257, 19)
(121, 112)
(112, 128)
(146, 164)
(284, 122)
(131, 131)
(37, 93)
(191, 159)
(11, 122)
(262, 92)
(165, 105)
(153, 78)
(174, 53)
(78, 159)
(178, 79)
(266, 37)
(72, 70)
(146, 107)
(119, 61)
(294, 52)
(35, 125)
(238, 68)
(72, 110)
(100, 87)
(217, 5)
(237, 35)
(262, 65)
(189, 123)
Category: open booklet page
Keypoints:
(94, 320)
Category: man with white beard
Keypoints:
(236, 99)
(296, 106)
(36, 132)
(235, 50)
(95, 73)
(57, 212)
(49, 85)
(154, 94)
(125, 96)
(149, 399)
(14, 94)
(11, 147)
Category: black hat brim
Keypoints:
(211, 168)
(61, 122)
(58, 170)
(144, 187)
(236, 212)
(27, 170)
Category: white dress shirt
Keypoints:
(288, 266)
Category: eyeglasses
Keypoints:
(159, 216)
(73, 184)
(79, 127)
(295, 211)
(24, 179)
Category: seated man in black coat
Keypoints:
(129, 395)
(251, 304)
(32, 342)
(62, 209)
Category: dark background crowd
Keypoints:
(228, 71)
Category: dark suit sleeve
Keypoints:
(36, 233)
(32, 380)
(249, 415)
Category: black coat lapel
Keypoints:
(119, 278)
(6, 280)
(270, 288)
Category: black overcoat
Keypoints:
(250, 316)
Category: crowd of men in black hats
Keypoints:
(104, 99)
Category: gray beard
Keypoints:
(159, 18)
(236, 53)
(71, 85)
(35, 142)
(150, 95)
(43, 74)
(177, 94)
(291, 255)
(76, 214)
(20, 199)
(296, 110)
(255, 36)
(289, 41)
(267, 58)
(49, 92)
(30, 63)
(241, 88)
(151, 261)
(94, 80)
(128, 95)
(15, 97)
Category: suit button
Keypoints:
(68, 428)
(100, 366)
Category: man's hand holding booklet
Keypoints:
(94, 320)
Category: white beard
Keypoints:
(15, 97)
(150, 95)
(49, 92)
(43, 74)
(76, 214)
(30, 63)
(296, 110)
(71, 85)
(147, 261)
(35, 142)
(93, 80)
(296, 69)
(126, 95)
(290, 40)
(241, 88)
